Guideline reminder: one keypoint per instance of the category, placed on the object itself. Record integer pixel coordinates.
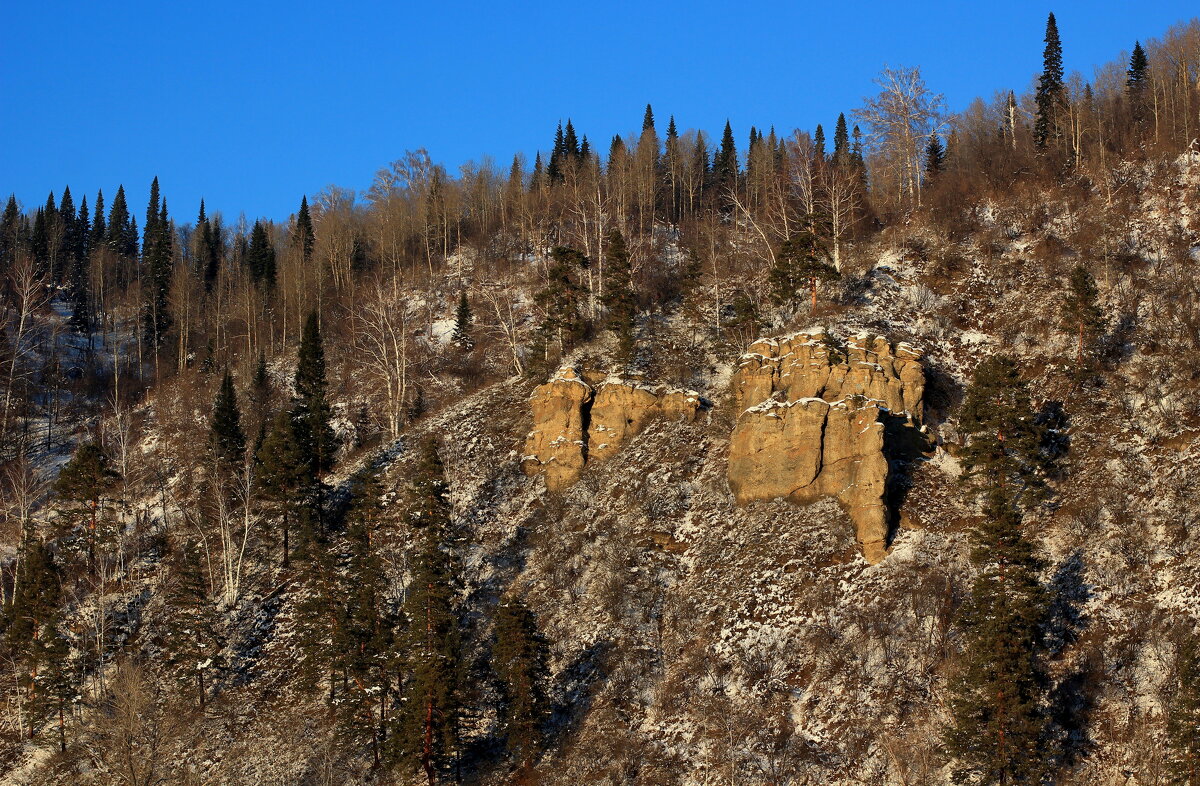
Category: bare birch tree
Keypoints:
(901, 118)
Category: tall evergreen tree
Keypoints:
(1003, 436)
(319, 442)
(462, 323)
(520, 658)
(560, 300)
(619, 298)
(194, 639)
(935, 156)
(82, 486)
(648, 119)
(158, 256)
(1050, 96)
(998, 732)
(725, 169)
(1081, 312)
(260, 257)
(1136, 83)
(228, 439)
(305, 238)
(819, 143)
(282, 475)
(801, 260)
(841, 140)
(99, 235)
(427, 723)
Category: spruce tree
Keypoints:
(725, 169)
(819, 144)
(1050, 96)
(157, 256)
(998, 729)
(619, 298)
(313, 413)
(1136, 82)
(560, 300)
(82, 486)
(1003, 436)
(193, 639)
(228, 439)
(1081, 312)
(304, 238)
(282, 474)
(99, 236)
(260, 257)
(648, 119)
(520, 658)
(1183, 713)
(801, 260)
(841, 140)
(10, 234)
(462, 323)
(935, 156)
(427, 723)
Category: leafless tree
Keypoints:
(901, 118)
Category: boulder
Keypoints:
(575, 423)
(817, 427)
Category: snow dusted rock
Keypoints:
(812, 424)
(614, 410)
(556, 446)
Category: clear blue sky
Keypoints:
(252, 104)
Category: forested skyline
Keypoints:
(338, 95)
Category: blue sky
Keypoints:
(252, 104)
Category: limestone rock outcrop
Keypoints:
(575, 423)
(814, 421)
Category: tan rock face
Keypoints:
(812, 424)
(559, 446)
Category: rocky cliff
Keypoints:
(813, 423)
(575, 423)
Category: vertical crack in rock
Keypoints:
(575, 424)
(826, 437)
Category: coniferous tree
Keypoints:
(156, 282)
(520, 658)
(29, 622)
(304, 235)
(998, 731)
(1050, 96)
(260, 257)
(559, 302)
(935, 157)
(619, 297)
(462, 323)
(58, 687)
(648, 119)
(99, 235)
(260, 394)
(841, 140)
(1081, 313)
(193, 640)
(427, 724)
(313, 413)
(1136, 82)
(10, 234)
(801, 260)
(282, 474)
(228, 439)
(1183, 719)
(81, 487)
(725, 170)
(819, 144)
(1003, 436)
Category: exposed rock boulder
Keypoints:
(813, 423)
(557, 447)
(575, 423)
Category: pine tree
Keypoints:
(998, 732)
(1183, 718)
(260, 257)
(935, 156)
(1050, 95)
(520, 658)
(1003, 437)
(59, 682)
(1081, 313)
(801, 260)
(427, 724)
(81, 487)
(619, 298)
(462, 323)
(228, 439)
